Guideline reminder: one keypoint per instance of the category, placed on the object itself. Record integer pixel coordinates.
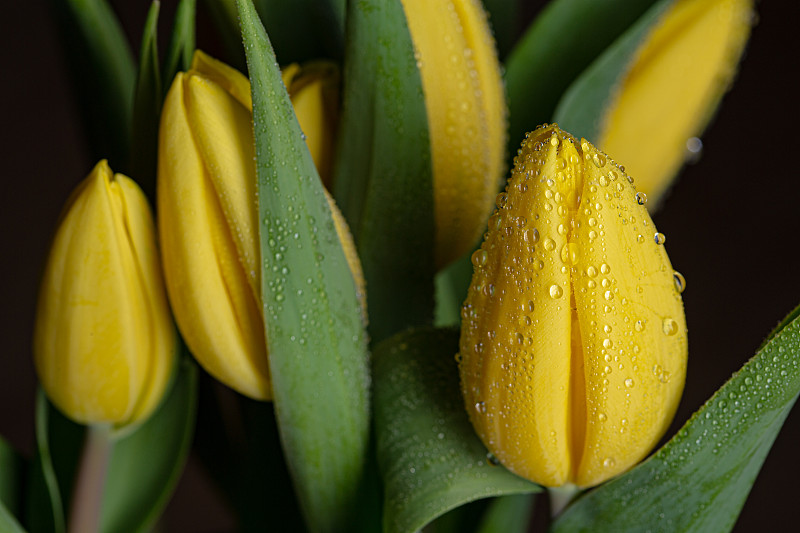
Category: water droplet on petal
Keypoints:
(669, 326)
(660, 238)
(641, 198)
(680, 281)
(556, 291)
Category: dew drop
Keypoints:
(660, 238)
(609, 295)
(591, 271)
(608, 344)
(479, 258)
(605, 269)
(680, 281)
(669, 327)
(549, 244)
(556, 291)
(609, 462)
(531, 235)
(629, 383)
(599, 160)
(602, 417)
(639, 325)
(480, 407)
(641, 198)
(500, 200)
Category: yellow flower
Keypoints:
(208, 221)
(314, 91)
(104, 343)
(465, 103)
(573, 347)
(673, 87)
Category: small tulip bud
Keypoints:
(104, 341)
(573, 344)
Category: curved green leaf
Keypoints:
(383, 178)
(146, 464)
(582, 107)
(181, 43)
(700, 479)
(103, 73)
(316, 337)
(429, 455)
(509, 514)
(147, 107)
(563, 40)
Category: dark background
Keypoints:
(731, 223)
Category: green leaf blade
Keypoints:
(700, 479)
(430, 457)
(181, 44)
(383, 179)
(316, 337)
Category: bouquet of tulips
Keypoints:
(376, 281)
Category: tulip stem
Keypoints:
(84, 516)
(560, 497)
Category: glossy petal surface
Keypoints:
(573, 344)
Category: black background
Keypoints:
(731, 223)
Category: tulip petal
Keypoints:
(202, 287)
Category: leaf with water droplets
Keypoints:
(315, 333)
(383, 178)
(700, 479)
(429, 455)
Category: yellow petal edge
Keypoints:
(573, 346)
(465, 103)
(672, 88)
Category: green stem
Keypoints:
(560, 497)
(84, 516)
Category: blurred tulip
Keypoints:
(104, 342)
(673, 87)
(314, 91)
(208, 221)
(573, 345)
(465, 102)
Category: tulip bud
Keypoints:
(104, 342)
(314, 91)
(573, 343)
(672, 88)
(465, 103)
(208, 221)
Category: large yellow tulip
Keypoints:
(208, 221)
(465, 103)
(573, 344)
(104, 342)
(672, 88)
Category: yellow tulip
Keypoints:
(465, 103)
(208, 221)
(573, 344)
(672, 88)
(314, 91)
(104, 342)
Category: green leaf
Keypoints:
(103, 73)
(316, 337)
(452, 284)
(430, 457)
(563, 40)
(509, 514)
(700, 479)
(181, 43)
(583, 105)
(8, 524)
(383, 177)
(503, 17)
(11, 467)
(303, 30)
(147, 107)
(146, 464)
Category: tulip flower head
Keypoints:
(104, 341)
(573, 344)
(672, 87)
(208, 220)
(465, 103)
